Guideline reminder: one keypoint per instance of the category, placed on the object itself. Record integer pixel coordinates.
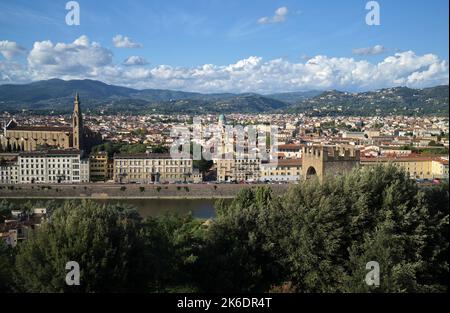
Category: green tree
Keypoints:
(241, 251)
(172, 245)
(5, 210)
(319, 237)
(159, 149)
(374, 214)
(105, 240)
(6, 268)
(203, 165)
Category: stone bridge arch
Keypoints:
(311, 172)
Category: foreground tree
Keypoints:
(374, 214)
(172, 245)
(242, 246)
(320, 236)
(106, 241)
(6, 268)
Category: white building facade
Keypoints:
(58, 166)
(8, 172)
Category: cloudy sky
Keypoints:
(228, 45)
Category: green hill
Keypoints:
(56, 95)
(398, 100)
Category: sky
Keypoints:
(262, 46)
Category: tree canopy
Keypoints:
(318, 237)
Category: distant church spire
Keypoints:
(77, 98)
(77, 124)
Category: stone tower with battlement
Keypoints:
(322, 161)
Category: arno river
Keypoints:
(199, 208)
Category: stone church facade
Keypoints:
(30, 138)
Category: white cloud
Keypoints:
(320, 72)
(135, 60)
(10, 49)
(279, 17)
(13, 73)
(377, 49)
(68, 60)
(85, 59)
(125, 42)
(264, 20)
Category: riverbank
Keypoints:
(129, 191)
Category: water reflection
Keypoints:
(199, 208)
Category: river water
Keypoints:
(199, 208)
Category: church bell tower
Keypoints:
(77, 124)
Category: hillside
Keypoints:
(55, 95)
(398, 100)
(294, 97)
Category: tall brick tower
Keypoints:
(77, 124)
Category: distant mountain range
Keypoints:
(56, 95)
(397, 100)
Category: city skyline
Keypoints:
(198, 147)
(216, 46)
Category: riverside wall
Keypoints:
(129, 191)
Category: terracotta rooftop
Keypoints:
(407, 158)
(50, 152)
(42, 128)
(290, 146)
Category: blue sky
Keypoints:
(174, 39)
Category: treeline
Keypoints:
(112, 148)
(315, 238)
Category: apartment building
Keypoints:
(418, 167)
(238, 169)
(287, 170)
(98, 166)
(57, 166)
(152, 167)
(290, 151)
(8, 171)
(439, 168)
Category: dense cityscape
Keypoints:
(135, 150)
(225, 153)
(417, 144)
